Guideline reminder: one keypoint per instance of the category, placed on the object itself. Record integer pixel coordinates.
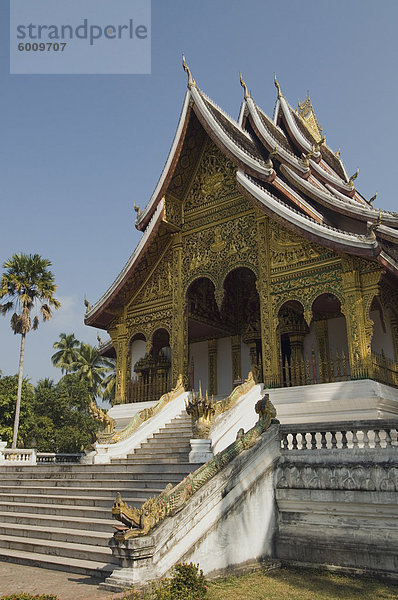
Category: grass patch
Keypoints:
(300, 584)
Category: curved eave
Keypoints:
(326, 177)
(321, 234)
(221, 138)
(387, 233)
(302, 142)
(388, 262)
(169, 167)
(269, 140)
(348, 207)
(297, 200)
(95, 315)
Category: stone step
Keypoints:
(89, 512)
(55, 520)
(58, 491)
(147, 460)
(109, 471)
(60, 534)
(86, 484)
(101, 554)
(162, 450)
(90, 568)
(69, 500)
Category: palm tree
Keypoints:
(109, 383)
(91, 367)
(67, 352)
(26, 284)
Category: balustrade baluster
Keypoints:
(294, 441)
(365, 438)
(388, 438)
(323, 439)
(313, 440)
(355, 440)
(334, 439)
(344, 439)
(377, 440)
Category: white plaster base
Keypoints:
(340, 401)
(200, 451)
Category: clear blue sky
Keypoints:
(76, 152)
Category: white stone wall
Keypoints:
(199, 354)
(224, 366)
(138, 351)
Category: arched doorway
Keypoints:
(224, 341)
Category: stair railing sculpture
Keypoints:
(139, 521)
(143, 415)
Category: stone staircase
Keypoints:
(59, 516)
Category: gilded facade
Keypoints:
(239, 269)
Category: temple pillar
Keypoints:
(359, 290)
(269, 342)
(236, 358)
(322, 338)
(179, 329)
(119, 340)
(212, 366)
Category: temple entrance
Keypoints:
(314, 353)
(224, 342)
(151, 371)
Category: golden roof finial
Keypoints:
(191, 80)
(243, 84)
(278, 87)
(372, 199)
(306, 159)
(271, 155)
(338, 153)
(353, 177)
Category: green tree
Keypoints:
(66, 352)
(91, 367)
(8, 390)
(63, 422)
(27, 284)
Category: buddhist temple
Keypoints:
(257, 253)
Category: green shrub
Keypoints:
(186, 583)
(29, 597)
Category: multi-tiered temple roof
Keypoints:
(283, 165)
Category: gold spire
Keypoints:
(243, 84)
(278, 87)
(191, 80)
(353, 177)
(307, 114)
(338, 153)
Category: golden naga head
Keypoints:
(243, 84)
(278, 87)
(191, 80)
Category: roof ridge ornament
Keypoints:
(271, 155)
(372, 199)
(353, 178)
(278, 87)
(243, 84)
(306, 159)
(371, 227)
(338, 153)
(307, 114)
(187, 70)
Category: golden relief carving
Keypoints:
(173, 211)
(288, 249)
(215, 251)
(214, 180)
(160, 284)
